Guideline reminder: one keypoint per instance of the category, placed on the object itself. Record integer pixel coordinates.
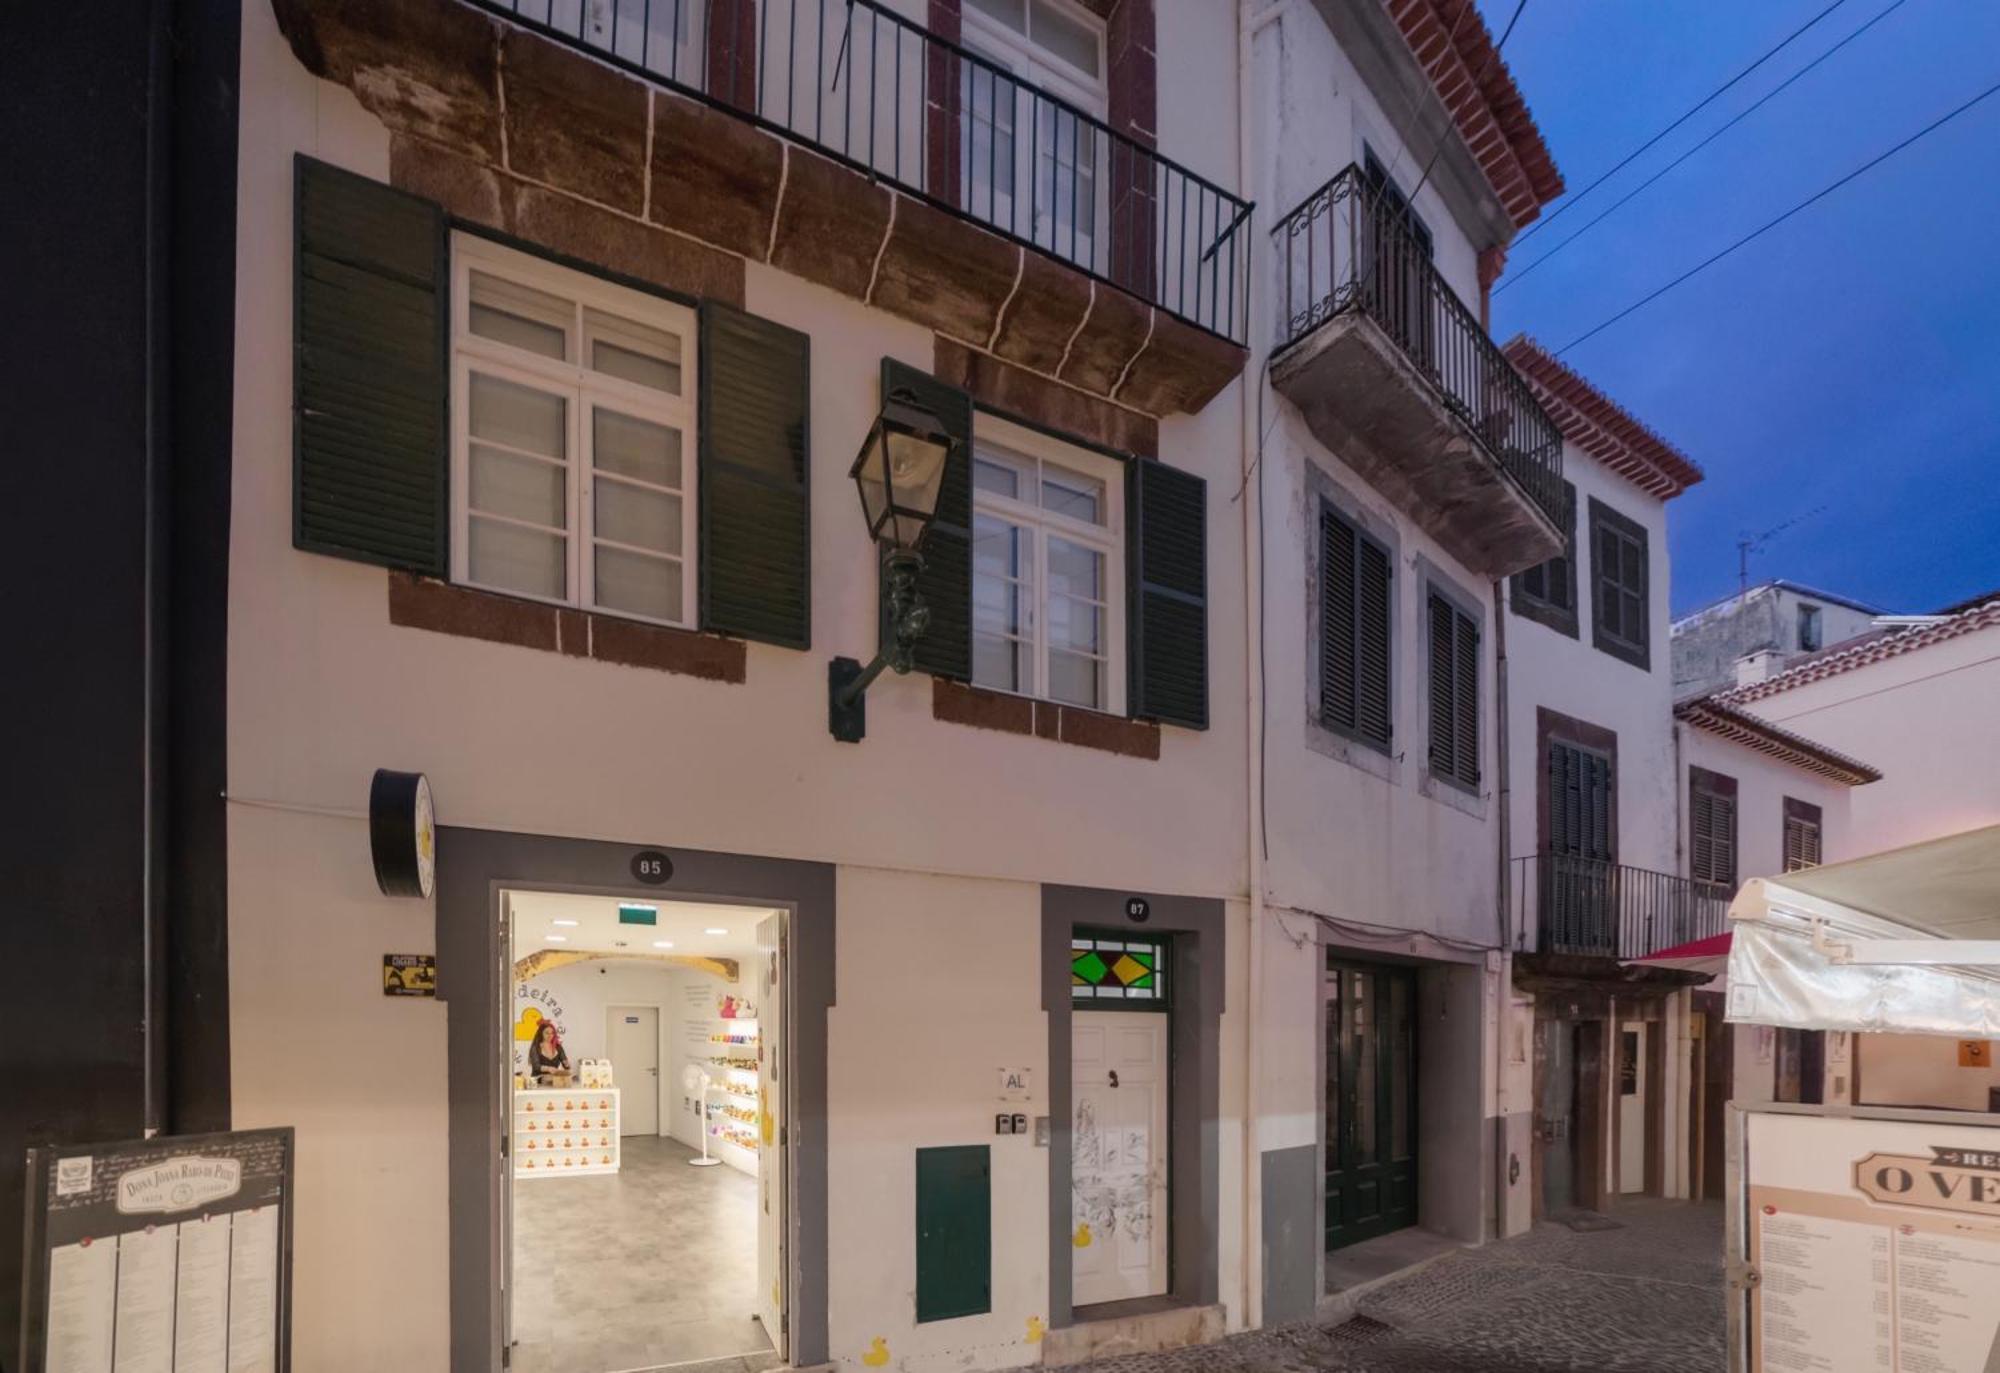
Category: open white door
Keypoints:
(1118, 1155)
(1632, 1106)
(772, 1160)
(503, 1057)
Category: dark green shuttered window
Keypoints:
(756, 551)
(1454, 691)
(369, 373)
(946, 581)
(372, 354)
(1620, 586)
(954, 1232)
(1168, 556)
(1354, 605)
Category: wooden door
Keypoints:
(1632, 1065)
(1370, 1102)
(1555, 1112)
(1118, 1155)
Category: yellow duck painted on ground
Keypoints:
(1081, 1239)
(878, 1353)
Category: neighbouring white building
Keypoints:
(1914, 695)
(1757, 632)
(1401, 470)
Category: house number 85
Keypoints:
(652, 867)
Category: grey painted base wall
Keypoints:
(1293, 1230)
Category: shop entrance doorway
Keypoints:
(1371, 1084)
(643, 1054)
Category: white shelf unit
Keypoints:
(743, 1157)
(565, 1132)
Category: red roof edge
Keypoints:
(1599, 425)
(1455, 48)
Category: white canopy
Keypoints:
(1907, 940)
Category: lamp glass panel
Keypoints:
(916, 470)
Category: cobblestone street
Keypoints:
(1646, 1297)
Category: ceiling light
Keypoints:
(556, 938)
(715, 931)
(570, 923)
(663, 943)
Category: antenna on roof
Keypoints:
(1754, 543)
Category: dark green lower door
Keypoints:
(1371, 1117)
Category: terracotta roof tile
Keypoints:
(1455, 48)
(1599, 425)
(1708, 713)
(1873, 647)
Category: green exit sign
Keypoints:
(638, 915)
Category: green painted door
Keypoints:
(1371, 1101)
(954, 1232)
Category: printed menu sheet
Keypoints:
(1876, 1245)
(163, 1256)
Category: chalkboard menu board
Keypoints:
(169, 1255)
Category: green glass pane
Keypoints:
(1090, 968)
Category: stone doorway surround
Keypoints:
(473, 867)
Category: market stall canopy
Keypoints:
(1907, 940)
(1709, 956)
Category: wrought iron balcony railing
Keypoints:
(859, 83)
(1348, 248)
(1578, 905)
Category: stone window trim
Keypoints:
(961, 703)
(1552, 726)
(1636, 652)
(1435, 581)
(467, 612)
(1547, 612)
(1324, 491)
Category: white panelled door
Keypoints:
(1632, 1106)
(634, 1041)
(1118, 1155)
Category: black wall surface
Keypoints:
(117, 262)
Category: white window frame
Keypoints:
(1039, 68)
(1017, 444)
(582, 390)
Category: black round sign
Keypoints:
(652, 867)
(1137, 908)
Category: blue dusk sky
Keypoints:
(1842, 371)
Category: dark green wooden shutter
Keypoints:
(755, 478)
(1454, 691)
(369, 371)
(1168, 519)
(954, 1232)
(946, 581)
(1336, 622)
(1374, 711)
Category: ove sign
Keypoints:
(1962, 1180)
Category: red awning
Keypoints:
(1710, 955)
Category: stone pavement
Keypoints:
(1646, 1297)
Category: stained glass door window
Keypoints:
(1118, 972)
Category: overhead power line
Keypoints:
(1692, 111)
(1748, 110)
(1765, 228)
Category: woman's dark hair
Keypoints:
(547, 1027)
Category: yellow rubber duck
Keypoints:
(878, 1353)
(1081, 1239)
(1035, 1329)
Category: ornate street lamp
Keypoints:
(899, 473)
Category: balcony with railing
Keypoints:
(1591, 907)
(884, 96)
(1396, 375)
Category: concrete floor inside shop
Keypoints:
(653, 1266)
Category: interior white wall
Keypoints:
(1925, 720)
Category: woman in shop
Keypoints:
(546, 1054)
